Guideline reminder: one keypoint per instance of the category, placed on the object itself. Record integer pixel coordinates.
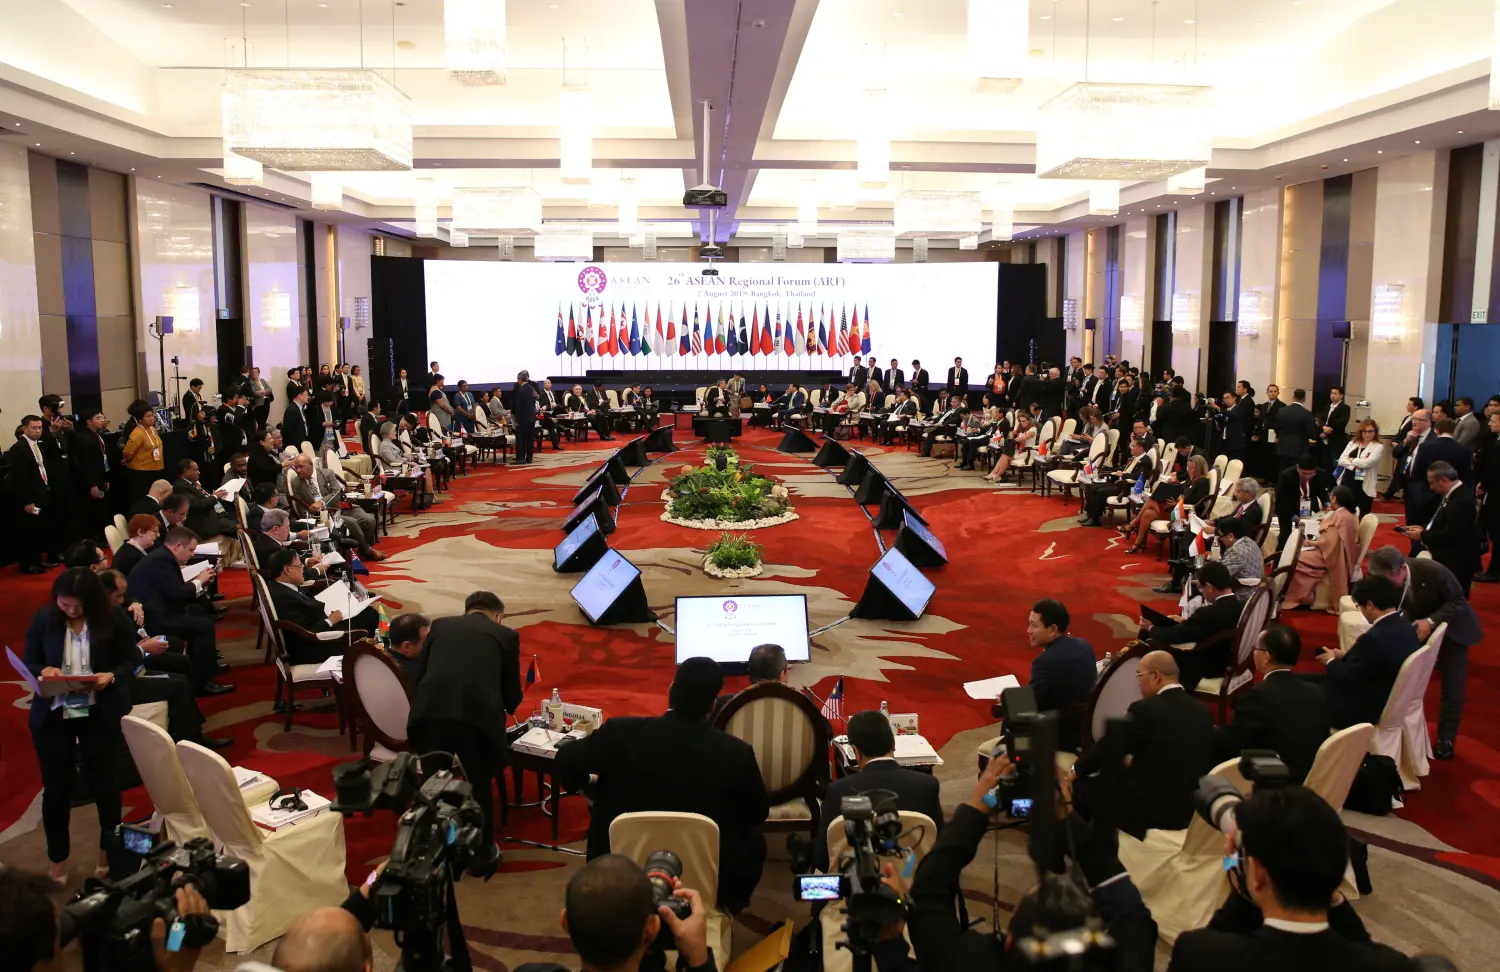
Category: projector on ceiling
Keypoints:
(711, 251)
(705, 196)
(709, 272)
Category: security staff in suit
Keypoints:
(958, 378)
(875, 374)
(1359, 678)
(679, 762)
(1295, 430)
(1175, 419)
(1063, 672)
(296, 422)
(294, 383)
(1303, 481)
(919, 383)
(34, 487)
(1451, 535)
(1438, 446)
(1052, 392)
(716, 399)
(859, 374)
(230, 433)
(192, 399)
(91, 467)
(78, 633)
(1219, 615)
(471, 680)
(1098, 390)
(1335, 431)
(894, 377)
(525, 412)
(1283, 713)
(1293, 851)
(874, 750)
(1168, 739)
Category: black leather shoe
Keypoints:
(1487, 578)
(33, 570)
(216, 742)
(1443, 749)
(216, 597)
(1168, 589)
(214, 688)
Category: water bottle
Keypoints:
(885, 710)
(555, 712)
(1108, 657)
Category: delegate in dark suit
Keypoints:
(958, 380)
(294, 426)
(1452, 535)
(1169, 738)
(307, 613)
(1334, 442)
(671, 762)
(1283, 713)
(1062, 675)
(1423, 502)
(36, 533)
(1289, 493)
(1433, 594)
(1051, 395)
(524, 414)
(1209, 621)
(171, 606)
(915, 792)
(1359, 684)
(1238, 940)
(472, 679)
(91, 465)
(1295, 429)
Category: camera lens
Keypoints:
(351, 784)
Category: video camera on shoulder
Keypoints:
(872, 826)
(112, 920)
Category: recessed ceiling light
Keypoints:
(1346, 160)
(167, 6)
(1380, 151)
(1117, 19)
(322, 4)
(244, 3)
(1460, 131)
(132, 168)
(1419, 141)
(72, 153)
(1190, 21)
(555, 6)
(38, 144)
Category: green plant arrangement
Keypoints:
(736, 497)
(732, 555)
(731, 458)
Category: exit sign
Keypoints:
(1480, 316)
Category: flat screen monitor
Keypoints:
(905, 503)
(916, 525)
(586, 528)
(599, 481)
(603, 584)
(582, 510)
(899, 576)
(726, 628)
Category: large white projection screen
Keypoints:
(488, 321)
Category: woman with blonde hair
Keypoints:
(1193, 493)
(1359, 465)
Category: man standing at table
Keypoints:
(524, 413)
(958, 378)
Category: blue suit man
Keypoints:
(1360, 678)
(1063, 674)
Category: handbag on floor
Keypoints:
(1377, 786)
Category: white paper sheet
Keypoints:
(193, 570)
(338, 597)
(989, 689)
(245, 777)
(206, 549)
(232, 486)
(333, 664)
(331, 559)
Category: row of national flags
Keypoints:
(715, 329)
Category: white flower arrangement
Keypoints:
(785, 516)
(732, 573)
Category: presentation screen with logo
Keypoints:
(904, 580)
(726, 628)
(486, 321)
(603, 584)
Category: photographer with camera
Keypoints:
(1285, 852)
(614, 918)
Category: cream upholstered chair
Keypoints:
(1281, 578)
(613, 396)
(790, 739)
(379, 699)
(918, 834)
(1221, 463)
(1067, 479)
(289, 676)
(1262, 535)
(114, 538)
(1402, 733)
(1180, 873)
(122, 525)
(433, 424)
(815, 398)
(155, 757)
(1368, 524)
(1162, 529)
(1241, 673)
(292, 870)
(694, 838)
(307, 450)
(1332, 774)
(1115, 691)
(698, 394)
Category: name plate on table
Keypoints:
(541, 741)
(623, 408)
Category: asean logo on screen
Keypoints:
(730, 607)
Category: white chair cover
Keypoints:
(1220, 463)
(155, 757)
(122, 525)
(1338, 761)
(292, 870)
(114, 538)
(433, 423)
(1402, 734)
(918, 832)
(695, 840)
(1368, 524)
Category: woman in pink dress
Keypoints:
(1332, 555)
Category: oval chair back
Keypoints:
(1114, 692)
(790, 738)
(379, 698)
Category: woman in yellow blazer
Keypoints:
(143, 453)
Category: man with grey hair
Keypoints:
(1431, 596)
(388, 451)
(276, 533)
(766, 663)
(1451, 534)
(316, 490)
(1246, 509)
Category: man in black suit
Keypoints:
(794, 402)
(766, 663)
(874, 750)
(274, 534)
(894, 376)
(901, 414)
(1295, 430)
(945, 424)
(859, 374)
(1452, 533)
(263, 460)
(919, 384)
(1052, 392)
(192, 399)
(1410, 440)
(284, 576)
(525, 414)
(1335, 431)
(1214, 621)
(1153, 760)
(295, 423)
(1097, 391)
(1176, 419)
(1293, 851)
(677, 761)
(716, 398)
(1284, 713)
(172, 604)
(408, 635)
(1431, 596)
(1063, 672)
(208, 513)
(471, 680)
(1438, 445)
(33, 486)
(1303, 482)
(1139, 467)
(1359, 678)
(958, 378)
(91, 468)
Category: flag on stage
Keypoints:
(768, 345)
(635, 333)
(560, 345)
(708, 331)
(776, 337)
(697, 335)
(788, 345)
(804, 339)
(588, 330)
(533, 673)
(864, 343)
(719, 340)
(608, 328)
(733, 343)
(671, 346)
(645, 347)
(744, 334)
(755, 332)
(686, 347)
(844, 346)
(822, 334)
(573, 347)
(661, 335)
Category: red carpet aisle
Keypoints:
(496, 529)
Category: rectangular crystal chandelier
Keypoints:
(628, 213)
(576, 155)
(1252, 313)
(1104, 199)
(426, 207)
(327, 190)
(240, 171)
(938, 215)
(497, 211)
(919, 249)
(330, 121)
(1132, 314)
(1002, 212)
(807, 214)
(968, 242)
(1070, 314)
(564, 243)
(276, 310)
(474, 41)
(1189, 183)
(999, 42)
(1124, 131)
(1184, 312)
(872, 245)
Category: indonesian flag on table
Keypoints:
(560, 345)
(671, 345)
(588, 330)
(754, 333)
(697, 334)
(864, 342)
(661, 335)
(1199, 547)
(719, 338)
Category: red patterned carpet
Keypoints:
(1008, 548)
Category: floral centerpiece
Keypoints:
(732, 555)
(734, 497)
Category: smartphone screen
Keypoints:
(818, 887)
